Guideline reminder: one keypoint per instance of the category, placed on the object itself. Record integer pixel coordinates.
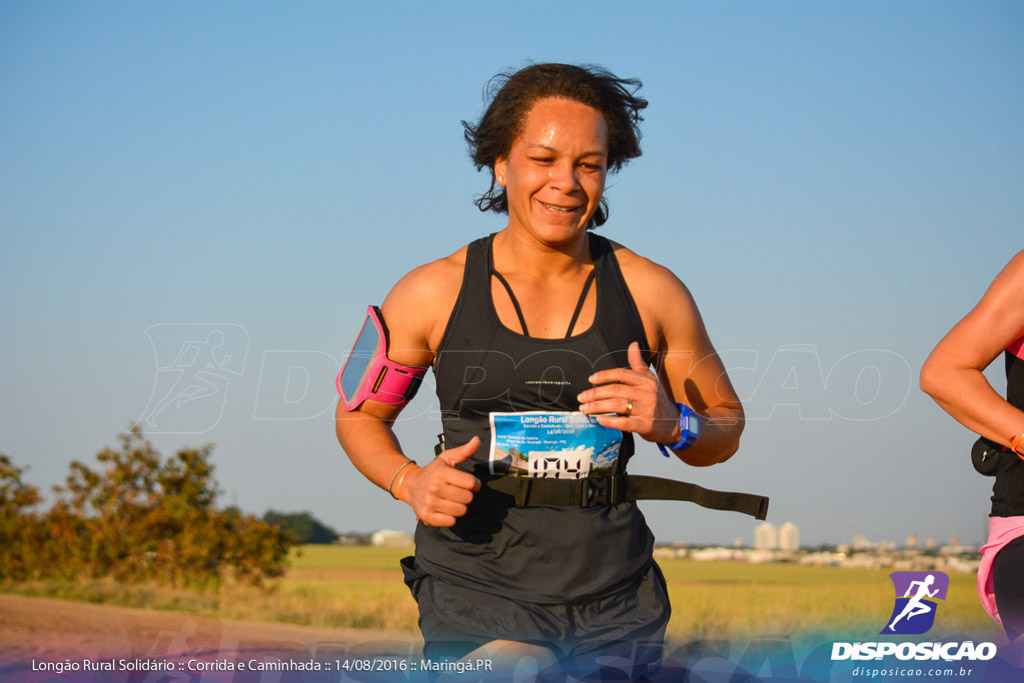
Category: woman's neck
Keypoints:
(514, 251)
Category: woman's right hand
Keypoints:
(439, 493)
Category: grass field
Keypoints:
(728, 599)
(361, 587)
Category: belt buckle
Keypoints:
(597, 491)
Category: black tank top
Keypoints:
(540, 554)
(1008, 489)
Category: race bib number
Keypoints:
(560, 445)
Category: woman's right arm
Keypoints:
(952, 375)
(415, 310)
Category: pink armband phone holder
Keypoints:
(367, 372)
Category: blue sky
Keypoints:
(836, 182)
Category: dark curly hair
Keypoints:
(512, 94)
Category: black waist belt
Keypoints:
(595, 491)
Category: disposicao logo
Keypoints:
(916, 595)
(914, 614)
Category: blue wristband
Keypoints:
(689, 430)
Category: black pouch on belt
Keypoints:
(985, 456)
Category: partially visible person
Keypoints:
(952, 375)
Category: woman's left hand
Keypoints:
(637, 399)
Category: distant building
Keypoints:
(390, 537)
(761, 556)
(663, 553)
(823, 559)
(347, 540)
(789, 537)
(766, 537)
(712, 554)
(911, 541)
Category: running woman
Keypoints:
(545, 317)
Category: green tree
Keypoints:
(303, 525)
(19, 526)
(139, 517)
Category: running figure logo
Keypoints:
(914, 612)
(194, 366)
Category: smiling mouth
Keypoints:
(560, 209)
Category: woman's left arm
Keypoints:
(952, 375)
(689, 372)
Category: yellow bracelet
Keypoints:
(398, 486)
(397, 472)
(1015, 445)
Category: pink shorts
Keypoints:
(1001, 530)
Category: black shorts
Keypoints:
(625, 625)
(1006, 573)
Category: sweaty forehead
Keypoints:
(565, 125)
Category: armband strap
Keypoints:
(369, 373)
(621, 488)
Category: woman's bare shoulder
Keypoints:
(1000, 313)
(431, 280)
(663, 301)
(1014, 270)
(649, 280)
(422, 301)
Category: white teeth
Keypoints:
(563, 209)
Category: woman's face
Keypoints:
(555, 172)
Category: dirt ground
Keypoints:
(46, 630)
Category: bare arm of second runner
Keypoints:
(952, 375)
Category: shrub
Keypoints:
(137, 517)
